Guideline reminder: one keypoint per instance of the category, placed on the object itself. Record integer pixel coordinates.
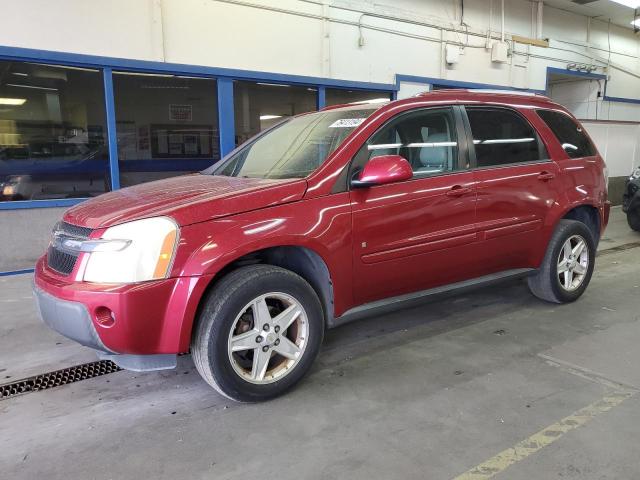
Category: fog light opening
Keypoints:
(105, 317)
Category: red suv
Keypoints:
(324, 218)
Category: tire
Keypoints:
(633, 218)
(230, 318)
(550, 282)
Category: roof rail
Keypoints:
(503, 92)
(496, 91)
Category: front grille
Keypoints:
(61, 261)
(74, 230)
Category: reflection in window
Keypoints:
(340, 96)
(166, 125)
(297, 147)
(502, 137)
(52, 132)
(261, 105)
(426, 138)
(574, 141)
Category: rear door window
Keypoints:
(570, 135)
(502, 136)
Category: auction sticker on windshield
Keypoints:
(347, 123)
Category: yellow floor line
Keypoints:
(544, 437)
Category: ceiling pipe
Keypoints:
(540, 19)
(502, 24)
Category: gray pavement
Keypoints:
(424, 393)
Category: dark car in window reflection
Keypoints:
(55, 171)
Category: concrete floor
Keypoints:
(429, 392)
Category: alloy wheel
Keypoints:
(268, 338)
(573, 263)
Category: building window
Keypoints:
(340, 96)
(52, 132)
(166, 125)
(261, 105)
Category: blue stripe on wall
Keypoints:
(16, 272)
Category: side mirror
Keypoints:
(382, 170)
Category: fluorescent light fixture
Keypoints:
(31, 86)
(628, 3)
(12, 101)
(20, 74)
(273, 84)
(142, 74)
(269, 117)
(63, 67)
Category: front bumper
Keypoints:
(70, 319)
(149, 318)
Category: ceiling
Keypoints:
(601, 9)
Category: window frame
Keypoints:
(225, 108)
(543, 150)
(462, 161)
(102, 100)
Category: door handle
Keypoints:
(458, 191)
(546, 176)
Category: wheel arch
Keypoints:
(587, 214)
(301, 260)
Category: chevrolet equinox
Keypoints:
(323, 218)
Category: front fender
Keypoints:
(322, 225)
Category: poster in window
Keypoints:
(176, 141)
(180, 113)
(205, 142)
(191, 144)
(143, 138)
(163, 143)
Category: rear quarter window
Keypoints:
(570, 135)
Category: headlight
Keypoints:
(132, 252)
(635, 174)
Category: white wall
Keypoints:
(618, 143)
(307, 38)
(363, 40)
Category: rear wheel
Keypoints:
(258, 333)
(633, 218)
(568, 264)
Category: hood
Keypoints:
(187, 199)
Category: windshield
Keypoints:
(295, 148)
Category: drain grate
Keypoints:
(57, 378)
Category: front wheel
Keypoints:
(258, 333)
(633, 218)
(568, 264)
